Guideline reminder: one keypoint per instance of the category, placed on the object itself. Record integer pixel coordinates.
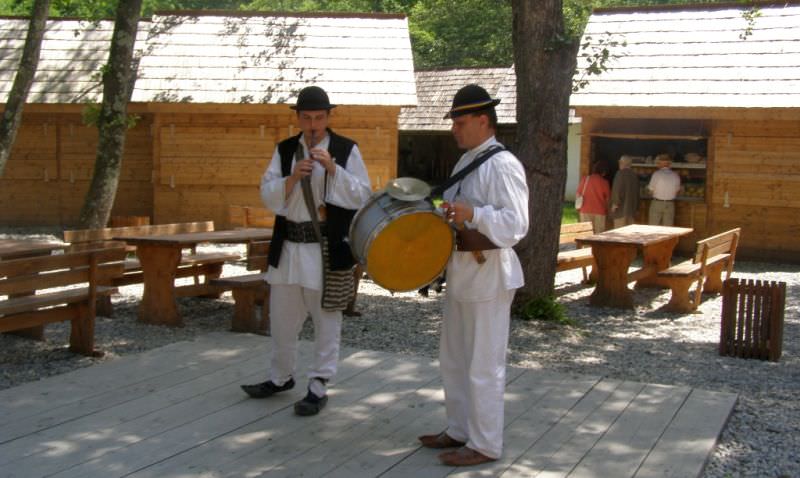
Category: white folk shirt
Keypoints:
(301, 264)
(665, 184)
(498, 192)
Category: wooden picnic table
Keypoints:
(614, 250)
(160, 255)
(21, 248)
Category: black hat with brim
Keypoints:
(312, 98)
(471, 99)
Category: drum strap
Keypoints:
(491, 151)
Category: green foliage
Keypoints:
(461, 33)
(569, 215)
(750, 17)
(90, 115)
(547, 309)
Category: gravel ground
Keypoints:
(761, 439)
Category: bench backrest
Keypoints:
(570, 232)
(95, 266)
(92, 238)
(722, 243)
(249, 216)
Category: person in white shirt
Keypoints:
(339, 185)
(664, 186)
(491, 203)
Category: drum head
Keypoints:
(410, 252)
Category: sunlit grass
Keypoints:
(568, 213)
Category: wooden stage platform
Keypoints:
(178, 411)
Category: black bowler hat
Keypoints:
(470, 99)
(312, 98)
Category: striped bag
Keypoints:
(338, 287)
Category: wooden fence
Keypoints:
(752, 319)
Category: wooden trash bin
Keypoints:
(752, 319)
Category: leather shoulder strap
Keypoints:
(491, 151)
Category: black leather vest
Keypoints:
(338, 218)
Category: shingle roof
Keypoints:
(435, 91)
(73, 53)
(696, 57)
(228, 58)
(436, 88)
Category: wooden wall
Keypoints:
(208, 160)
(753, 175)
(48, 173)
(758, 168)
(182, 162)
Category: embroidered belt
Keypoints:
(472, 240)
(302, 232)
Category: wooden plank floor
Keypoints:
(178, 411)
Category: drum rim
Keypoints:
(381, 225)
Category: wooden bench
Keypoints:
(712, 255)
(250, 216)
(55, 288)
(193, 264)
(250, 290)
(575, 258)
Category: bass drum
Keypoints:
(403, 245)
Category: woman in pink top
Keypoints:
(596, 193)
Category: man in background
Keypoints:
(624, 194)
(664, 186)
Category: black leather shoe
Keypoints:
(267, 389)
(310, 405)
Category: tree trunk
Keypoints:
(12, 114)
(112, 123)
(545, 60)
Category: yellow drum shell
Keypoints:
(404, 245)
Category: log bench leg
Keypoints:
(714, 279)
(211, 271)
(244, 309)
(656, 257)
(244, 319)
(680, 300)
(612, 276)
(81, 332)
(159, 266)
(104, 306)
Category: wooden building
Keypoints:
(718, 92)
(427, 148)
(211, 101)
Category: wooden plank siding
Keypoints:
(207, 162)
(178, 167)
(213, 91)
(48, 173)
